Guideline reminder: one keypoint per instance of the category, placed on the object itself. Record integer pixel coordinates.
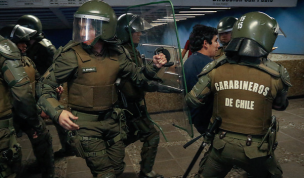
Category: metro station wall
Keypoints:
(291, 20)
(59, 37)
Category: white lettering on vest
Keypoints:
(226, 85)
(217, 87)
(242, 85)
(231, 84)
(229, 102)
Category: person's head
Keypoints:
(224, 29)
(204, 40)
(253, 35)
(32, 22)
(130, 22)
(93, 21)
(19, 35)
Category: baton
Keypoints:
(217, 122)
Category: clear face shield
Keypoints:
(279, 31)
(87, 27)
(139, 24)
(21, 33)
(138, 27)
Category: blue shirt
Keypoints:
(192, 67)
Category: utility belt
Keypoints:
(246, 137)
(74, 139)
(87, 116)
(270, 137)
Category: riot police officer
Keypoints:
(140, 127)
(40, 50)
(224, 29)
(91, 64)
(246, 87)
(42, 142)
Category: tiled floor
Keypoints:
(172, 159)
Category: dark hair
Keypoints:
(199, 34)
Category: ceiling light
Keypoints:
(210, 8)
(157, 21)
(197, 11)
(187, 14)
(176, 17)
(165, 19)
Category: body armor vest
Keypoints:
(94, 88)
(30, 71)
(131, 92)
(5, 98)
(243, 98)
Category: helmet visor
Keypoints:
(87, 27)
(279, 31)
(139, 24)
(22, 33)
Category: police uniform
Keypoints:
(140, 127)
(92, 92)
(19, 87)
(243, 96)
(42, 145)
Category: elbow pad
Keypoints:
(280, 103)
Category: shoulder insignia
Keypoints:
(8, 49)
(45, 42)
(214, 64)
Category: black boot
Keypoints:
(151, 174)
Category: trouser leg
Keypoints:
(8, 167)
(43, 150)
(102, 160)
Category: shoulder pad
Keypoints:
(285, 76)
(45, 42)
(270, 67)
(69, 45)
(275, 70)
(214, 64)
(8, 49)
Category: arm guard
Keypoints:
(196, 97)
(45, 91)
(280, 102)
(128, 69)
